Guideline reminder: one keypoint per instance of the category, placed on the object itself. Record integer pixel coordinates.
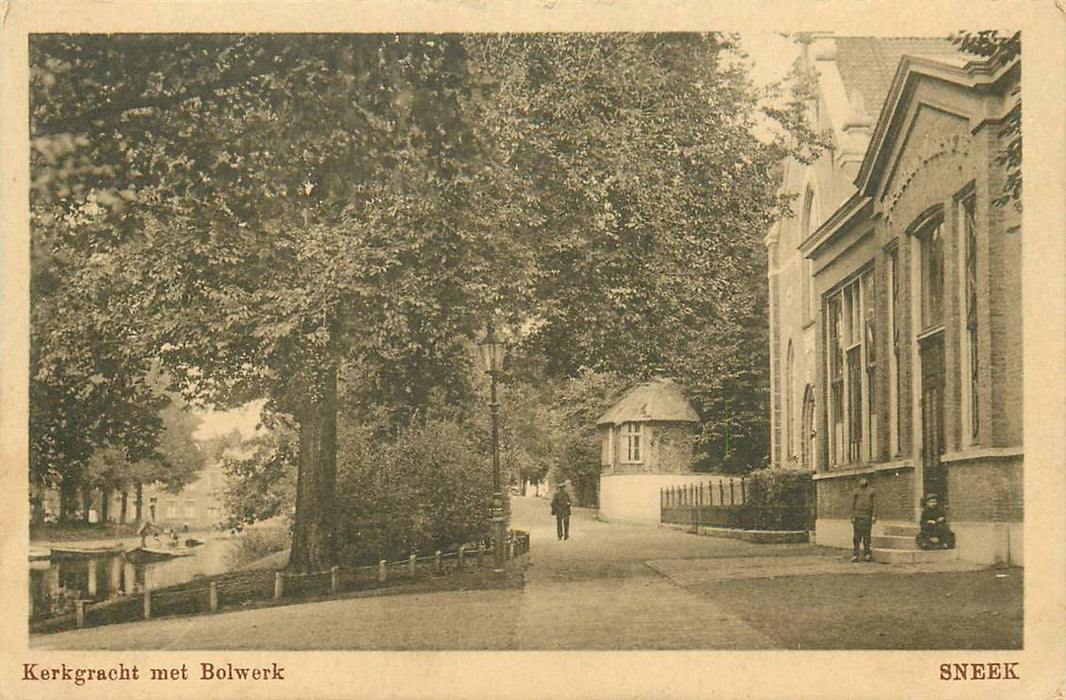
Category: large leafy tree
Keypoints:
(88, 390)
(295, 217)
(637, 153)
(276, 210)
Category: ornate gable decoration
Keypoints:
(932, 148)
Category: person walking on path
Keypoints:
(144, 531)
(863, 515)
(561, 511)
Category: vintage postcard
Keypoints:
(533, 349)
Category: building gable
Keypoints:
(933, 135)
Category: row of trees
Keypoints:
(324, 221)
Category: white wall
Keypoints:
(989, 543)
(634, 498)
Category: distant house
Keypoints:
(648, 439)
(200, 505)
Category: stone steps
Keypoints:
(900, 530)
(913, 556)
(899, 542)
(896, 545)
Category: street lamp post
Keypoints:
(492, 359)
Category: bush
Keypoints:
(781, 498)
(424, 489)
(256, 543)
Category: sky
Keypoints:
(771, 55)
(215, 423)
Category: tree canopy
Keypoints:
(304, 218)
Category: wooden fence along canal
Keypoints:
(240, 588)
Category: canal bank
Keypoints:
(95, 571)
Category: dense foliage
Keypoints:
(261, 475)
(780, 496)
(324, 221)
(426, 488)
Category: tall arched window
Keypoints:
(807, 444)
(808, 220)
(790, 450)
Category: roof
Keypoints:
(868, 64)
(656, 400)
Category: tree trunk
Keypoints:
(314, 527)
(105, 503)
(139, 503)
(86, 502)
(68, 499)
(125, 505)
(36, 505)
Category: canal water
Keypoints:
(55, 585)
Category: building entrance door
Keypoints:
(934, 479)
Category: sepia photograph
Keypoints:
(554, 341)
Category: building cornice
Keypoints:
(832, 227)
(896, 466)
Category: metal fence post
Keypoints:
(436, 562)
(279, 585)
(334, 579)
(383, 572)
(212, 596)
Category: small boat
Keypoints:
(192, 542)
(146, 555)
(59, 553)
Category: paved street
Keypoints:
(609, 586)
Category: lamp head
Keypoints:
(491, 351)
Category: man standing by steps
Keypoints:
(863, 515)
(561, 511)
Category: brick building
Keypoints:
(911, 361)
(853, 76)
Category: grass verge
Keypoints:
(957, 610)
